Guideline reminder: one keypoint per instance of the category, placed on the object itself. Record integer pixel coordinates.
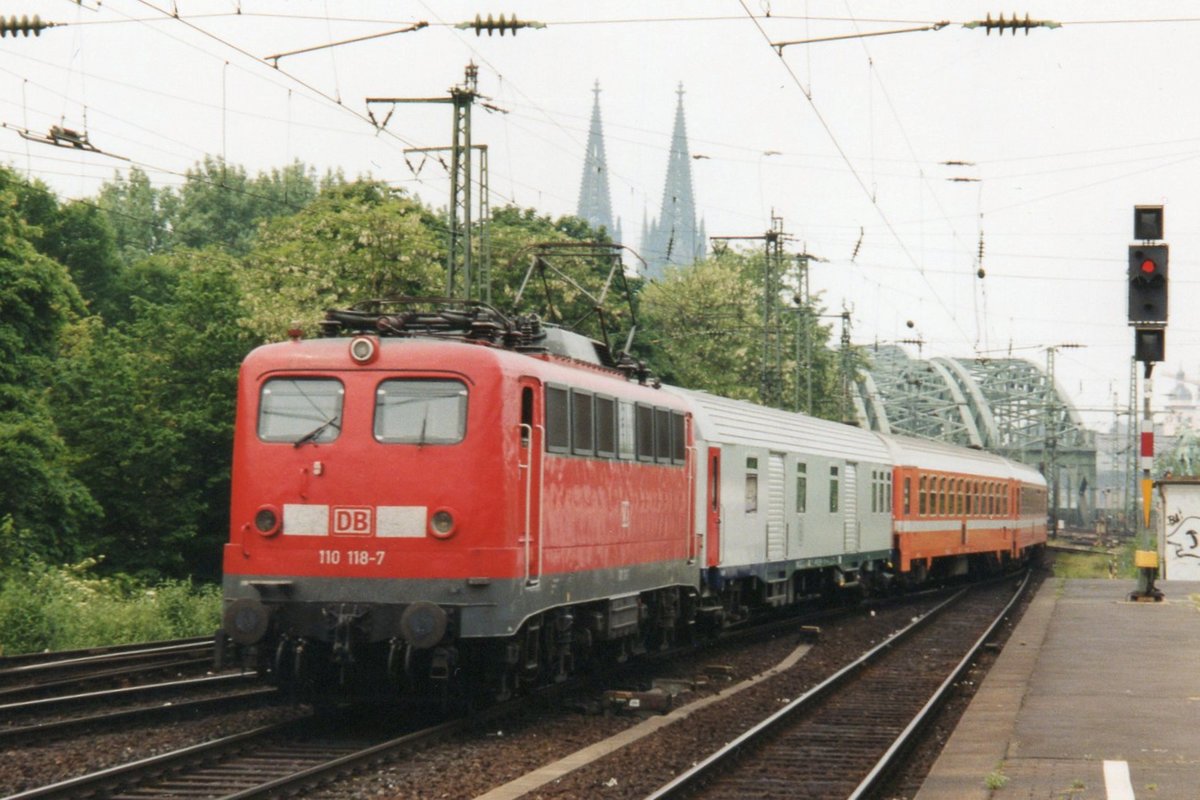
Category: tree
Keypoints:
(49, 508)
(138, 215)
(147, 406)
(700, 328)
(354, 242)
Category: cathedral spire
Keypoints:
(595, 204)
(674, 238)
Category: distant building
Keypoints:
(595, 200)
(675, 238)
(1182, 410)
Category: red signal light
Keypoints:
(1148, 267)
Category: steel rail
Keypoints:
(25, 734)
(691, 778)
(34, 661)
(907, 737)
(46, 703)
(94, 782)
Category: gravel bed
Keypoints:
(28, 767)
(474, 763)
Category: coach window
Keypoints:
(678, 438)
(582, 430)
(751, 485)
(942, 496)
(606, 427)
(645, 433)
(558, 420)
(833, 489)
(907, 497)
(300, 409)
(626, 430)
(923, 495)
(662, 435)
(801, 488)
(420, 412)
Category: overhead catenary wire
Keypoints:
(859, 180)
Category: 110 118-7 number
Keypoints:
(355, 558)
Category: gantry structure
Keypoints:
(1008, 406)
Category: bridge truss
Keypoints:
(1008, 406)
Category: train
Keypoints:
(434, 499)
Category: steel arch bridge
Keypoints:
(1008, 406)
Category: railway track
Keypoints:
(34, 675)
(36, 720)
(267, 761)
(841, 738)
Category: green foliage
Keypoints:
(701, 327)
(354, 242)
(220, 205)
(147, 406)
(46, 504)
(137, 214)
(64, 608)
(1183, 459)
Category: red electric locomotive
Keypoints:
(406, 506)
(436, 496)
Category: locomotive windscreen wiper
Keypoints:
(317, 431)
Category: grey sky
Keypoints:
(1066, 130)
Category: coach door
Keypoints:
(530, 469)
(850, 519)
(712, 545)
(776, 492)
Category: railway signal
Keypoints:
(1148, 283)
(1148, 317)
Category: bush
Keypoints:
(66, 608)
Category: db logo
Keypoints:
(352, 521)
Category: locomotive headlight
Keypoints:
(442, 523)
(363, 349)
(266, 521)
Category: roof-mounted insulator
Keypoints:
(502, 25)
(23, 25)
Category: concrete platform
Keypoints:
(1093, 697)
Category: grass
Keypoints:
(1096, 565)
(64, 608)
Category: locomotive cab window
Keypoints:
(300, 410)
(420, 411)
